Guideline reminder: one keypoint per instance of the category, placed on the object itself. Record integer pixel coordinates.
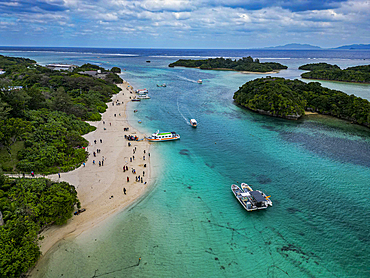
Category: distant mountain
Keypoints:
(294, 46)
(354, 46)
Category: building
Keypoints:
(61, 67)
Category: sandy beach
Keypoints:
(101, 188)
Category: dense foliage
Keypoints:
(42, 113)
(29, 205)
(360, 74)
(244, 64)
(318, 66)
(290, 98)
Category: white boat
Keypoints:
(163, 136)
(200, 81)
(193, 123)
(143, 97)
(142, 91)
(250, 199)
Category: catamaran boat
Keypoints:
(193, 122)
(200, 81)
(251, 199)
(163, 136)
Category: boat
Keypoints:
(200, 81)
(193, 122)
(250, 199)
(143, 97)
(142, 91)
(135, 99)
(163, 136)
(163, 85)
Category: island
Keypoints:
(246, 64)
(324, 71)
(285, 98)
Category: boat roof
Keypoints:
(258, 196)
(164, 133)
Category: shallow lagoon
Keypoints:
(316, 170)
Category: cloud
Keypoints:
(196, 21)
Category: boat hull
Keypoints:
(250, 199)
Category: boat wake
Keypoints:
(178, 108)
(187, 79)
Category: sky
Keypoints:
(183, 23)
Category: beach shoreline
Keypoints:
(101, 189)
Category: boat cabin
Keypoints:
(257, 198)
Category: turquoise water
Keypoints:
(190, 224)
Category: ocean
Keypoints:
(189, 224)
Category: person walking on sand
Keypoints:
(99, 163)
(124, 191)
(101, 141)
(93, 162)
(128, 179)
(59, 175)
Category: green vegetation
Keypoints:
(42, 120)
(319, 66)
(28, 206)
(323, 71)
(244, 64)
(290, 98)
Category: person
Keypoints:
(130, 159)
(93, 162)
(103, 123)
(99, 163)
(94, 154)
(124, 191)
(114, 115)
(126, 168)
(101, 141)
(143, 157)
(32, 174)
(95, 141)
(141, 179)
(102, 163)
(83, 164)
(128, 179)
(59, 175)
(143, 173)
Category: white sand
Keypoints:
(96, 185)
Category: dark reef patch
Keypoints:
(184, 152)
(262, 179)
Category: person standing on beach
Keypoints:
(128, 179)
(124, 191)
(59, 175)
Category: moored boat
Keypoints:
(193, 123)
(250, 199)
(200, 81)
(163, 136)
(143, 97)
(163, 85)
(142, 91)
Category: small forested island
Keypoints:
(244, 64)
(27, 206)
(324, 71)
(290, 99)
